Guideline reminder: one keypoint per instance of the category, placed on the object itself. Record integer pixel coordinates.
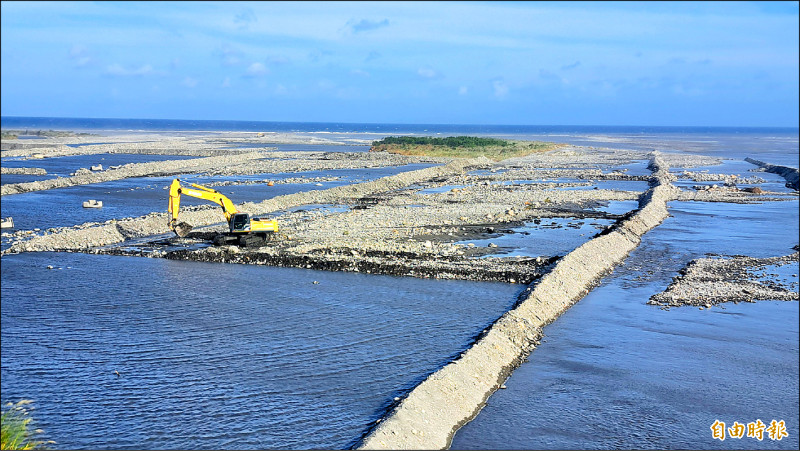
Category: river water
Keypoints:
(216, 356)
(220, 356)
(615, 373)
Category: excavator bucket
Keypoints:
(183, 229)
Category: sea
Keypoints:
(144, 353)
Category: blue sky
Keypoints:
(535, 63)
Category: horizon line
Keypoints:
(795, 127)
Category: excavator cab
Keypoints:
(240, 222)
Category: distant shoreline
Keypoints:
(211, 126)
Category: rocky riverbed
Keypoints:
(710, 281)
(418, 223)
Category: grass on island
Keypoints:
(15, 432)
(461, 146)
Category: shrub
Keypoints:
(450, 141)
(15, 432)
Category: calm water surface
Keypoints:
(217, 356)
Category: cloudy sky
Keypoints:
(536, 63)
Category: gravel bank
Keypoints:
(790, 174)
(155, 168)
(733, 195)
(25, 171)
(191, 143)
(57, 148)
(706, 282)
(433, 411)
(88, 236)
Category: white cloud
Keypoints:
(226, 83)
(500, 89)
(326, 85)
(257, 70)
(230, 60)
(367, 25)
(462, 91)
(229, 55)
(245, 17)
(77, 50)
(281, 90)
(189, 82)
(118, 70)
(83, 61)
(427, 72)
(80, 55)
(278, 59)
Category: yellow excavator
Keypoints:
(244, 230)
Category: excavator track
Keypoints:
(251, 240)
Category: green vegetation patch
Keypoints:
(16, 432)
(460, 146)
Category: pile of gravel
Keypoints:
(87, 236)
(709, 281)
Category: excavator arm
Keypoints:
(201, 192)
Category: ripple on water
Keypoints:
(219, 355)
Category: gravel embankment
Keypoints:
(433, 411)
(85, 237)
(191, 143)
(57, 148)
(24, 171)
(792, 175)
(706, 282)
(154, 168)
(733, 195)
